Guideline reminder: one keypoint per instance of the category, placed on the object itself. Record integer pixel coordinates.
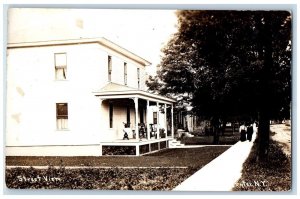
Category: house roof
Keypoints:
(114, 91)
(114, 87)
(101, 41)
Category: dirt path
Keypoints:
(283, 136)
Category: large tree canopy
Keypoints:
(230, 63)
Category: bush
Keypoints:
(197, 140)
(103, 179)
(163, 145)
(154, 146)
(209, 140)
(118, 150)
(144, 149)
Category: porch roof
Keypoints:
(115, 91)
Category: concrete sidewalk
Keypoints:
(222, 173)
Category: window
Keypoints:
(60, 60)
(109, 65)
(111, 112)
(141, 115)
(62, 116)
(125, 73)
(154, 117)
(138, 77)
(128, 116)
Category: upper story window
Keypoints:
(138, 77)
(109, 65)
(125, 73)
(62, 116)
(60, 60)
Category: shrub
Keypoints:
(103, 179)
(118, 150)
(207, 140)
(144, 149)
(154, 146)
(163, 145)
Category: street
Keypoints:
(283, 136)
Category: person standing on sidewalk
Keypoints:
(249, 132)
(243, 131)
(255, 127)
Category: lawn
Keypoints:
(148, 177)
(273, 175)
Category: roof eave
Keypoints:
(101, 41)
(108, 94)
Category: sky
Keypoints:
(143, 32)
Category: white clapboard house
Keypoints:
(73, 97)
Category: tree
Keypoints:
(231, 64)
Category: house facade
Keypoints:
(79, 97)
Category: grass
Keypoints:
(208, 140)
(115, 178)
(272, 175)
(195, 157)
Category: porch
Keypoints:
(134, 120)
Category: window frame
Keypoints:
(128, 115)
(125, 74)
(63, 67)
(141, 112)
(62, 116)
(138, 77)
(109, 67)
(111, 115)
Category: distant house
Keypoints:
(74, 97)
(187, 121)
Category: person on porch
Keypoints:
(126, 131)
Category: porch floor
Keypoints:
(133, 141)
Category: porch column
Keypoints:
(136, 105)
(172, 121)
(148, 120)
(137, 148)
(158, 124)
(165, 118)
(100, 110)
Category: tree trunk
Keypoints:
(216, 130)
(264, 119)
(263, 137)
(224, 127)
(216, 135)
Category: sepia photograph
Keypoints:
(167, 100)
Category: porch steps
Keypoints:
(175, 144)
